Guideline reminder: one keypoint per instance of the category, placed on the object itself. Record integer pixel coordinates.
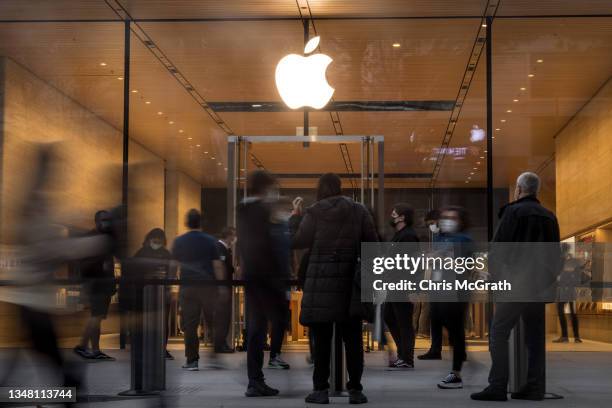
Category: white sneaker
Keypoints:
(451, 381)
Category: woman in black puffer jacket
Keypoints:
(332, 229)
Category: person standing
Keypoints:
(199, 259)
(264, 287)
(570, 278)
(333, 229)
(398, 315)
(223, 313)
(524, 220)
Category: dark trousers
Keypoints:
(563, 320)
(278, 329)
(195, 301)
(398, 318)
(506, 317)
(322, 334)
(263, 305)
(223, 319)
(451, 316)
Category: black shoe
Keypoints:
(528, 393)
(489, 394)
(168, 356)
(357, 397)
(260, 389)
(224, 350)
(318, 397)
(430, 356)
(81, 351)
(577, 340)
(561, 340)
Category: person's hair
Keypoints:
(329, 185)
(193, 219)
(432, 215)
(462, 214)
(405, 210)
(259, 181)
(99, 214)
(227, 232)
(529, 183)
(155, 233)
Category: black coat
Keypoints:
(333, 229)
(532, 268)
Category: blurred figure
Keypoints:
(199, 259)
(398, 315)
(421, 320)
(99, 271)
(453, 224)
(158, 258)
(264, 290)
(569, 279)
(431, 220)
(333, 228)
(523, 220)
(223, 314)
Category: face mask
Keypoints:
(155, 246)
(449, 226)
(434, 228)
(394, 221)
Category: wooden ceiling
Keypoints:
(235, 61)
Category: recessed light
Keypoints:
(134, 90)
(482, 157)
(212, 158)
(474, 168)
(497, 129)
(160, 113)
(531, 75)
(189, 138)
(205, 152)
(197, 145)
(171, 122)
(120, 78)
(396, 45)
(523, 89)
(148, 102)
(485, 151)
(103, 64)
(484, 25)
(477, 162)
(225, 168)
(219, 164)
(466, 182)
(181, 130)
(540, 61)
(471, 173)
(256, 105)
(503, 121)
(509, 111)
(515, 100)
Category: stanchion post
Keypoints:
(338, 366)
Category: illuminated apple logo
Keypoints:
(301, 80)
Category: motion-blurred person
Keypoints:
(524, 220)
(451, 315)
(398, 315)
(223, 313)
(264, 290)
(333, 228)
(569, 279)
(99, 272)
(157, 257)
(199, 259)
(422, 321)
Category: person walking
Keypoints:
(570, 278)
(199, 259)
(223, 312)
(398, 315)
(524, 220)
(265, 295)
(332, 229)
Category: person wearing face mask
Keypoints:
(431, 220)
(453, 224)
(398, 315)
(158, 257)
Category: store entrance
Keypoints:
(296, 162)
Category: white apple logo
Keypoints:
(301, 80)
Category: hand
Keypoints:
(298, 204)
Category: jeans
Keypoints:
(506, 317)
(451, 316)
(563, 320)
(322, 334)
(398, 317)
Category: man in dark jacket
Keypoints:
(524, 220)
(264, 288)
(398, 315)
(333, 229)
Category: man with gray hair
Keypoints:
(523, 220)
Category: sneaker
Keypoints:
(278, 363)
(489, 394)
(450, 382)
(430, 356)
(168, 356)
(400, 364)
(309, 359)
(318, 397)
(357, 397)
(98, 355)
(561, 340)
(81, 351)
(577, 340)
(193, 366)
(260, 389)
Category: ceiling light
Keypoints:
(523, 89)
(482, 157)
(256, 105)
(120, 78)
(205, 152)
(474, 168)
(509, 111)
(189, 138)
(160, 113)
(484, 25)
(477, 162)
(219, 164)
(497, 129)
(503, 121)
(515, 100)
(471, 173)
(531, 75)
(181, 130)
(466, 182)
(396, 45)
(540, 61)
(171, 122)
(225, 169)
(197, 145)
(148, 102)
(103, 64)
(134, 90)
(212, 158)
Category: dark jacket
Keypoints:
(255, 243)
(227, 257)
(333, 229)
(532, 268)
(406, 234)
